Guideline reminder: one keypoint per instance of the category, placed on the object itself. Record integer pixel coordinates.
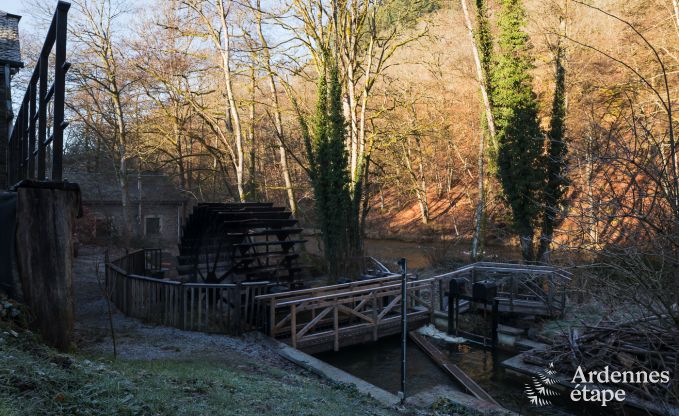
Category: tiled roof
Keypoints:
(9, 38)
(100, 187)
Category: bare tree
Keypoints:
(213, 24)
(104, 83)
(276, 108)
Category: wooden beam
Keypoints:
(451, 369)
(313, 322)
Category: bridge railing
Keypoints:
(218, 308)
(518, 284)
(301, 317)
(29, 143)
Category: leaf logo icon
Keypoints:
(538, 391)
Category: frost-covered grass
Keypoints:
(36, 380)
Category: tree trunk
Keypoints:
(675, 5)
(122, 154)
(233, 109)
(527, 250)
(477, 238)
(278, 120)
(252, 176)
(480, 208)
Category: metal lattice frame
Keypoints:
(28, 142)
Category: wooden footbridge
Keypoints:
(321, 318)
(332, 317)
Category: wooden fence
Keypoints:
(217, 308)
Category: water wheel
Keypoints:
(233, 242)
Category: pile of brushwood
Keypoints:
(640, 346)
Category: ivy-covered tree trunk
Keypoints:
(556, 182)
(519, 137)
(329, 172)
(482, 51)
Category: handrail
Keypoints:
(474, 266)
(412, 284)
(153, 279)
(330, 287)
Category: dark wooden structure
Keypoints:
(45, 256)
(521, 288)
(46, 206)
(234, 242)
(228, 308)
(29, 143)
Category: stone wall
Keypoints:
(170, 219)
(9, 38)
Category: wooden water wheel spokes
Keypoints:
(233, 242)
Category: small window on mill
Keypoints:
(152, 226)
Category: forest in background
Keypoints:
(224, 97)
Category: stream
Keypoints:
(419, 255)
(379, 364)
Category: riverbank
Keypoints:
(159, 370)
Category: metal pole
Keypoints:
(496, 308)
(404, 325)
(451, 306)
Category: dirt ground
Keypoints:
(136, 340)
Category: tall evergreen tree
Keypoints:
(329, 171)
(519, 137)
(556, 183)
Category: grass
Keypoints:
(36, 380)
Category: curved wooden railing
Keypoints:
(216, 308)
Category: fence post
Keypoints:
(335, 319)
(31, 130)
(60, 68)
(238, 305)
(272, 317)
(293, 325)
(496, 308)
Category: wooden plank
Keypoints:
(451, 369)
(350, 311)
(336, 329)
(313, 322)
